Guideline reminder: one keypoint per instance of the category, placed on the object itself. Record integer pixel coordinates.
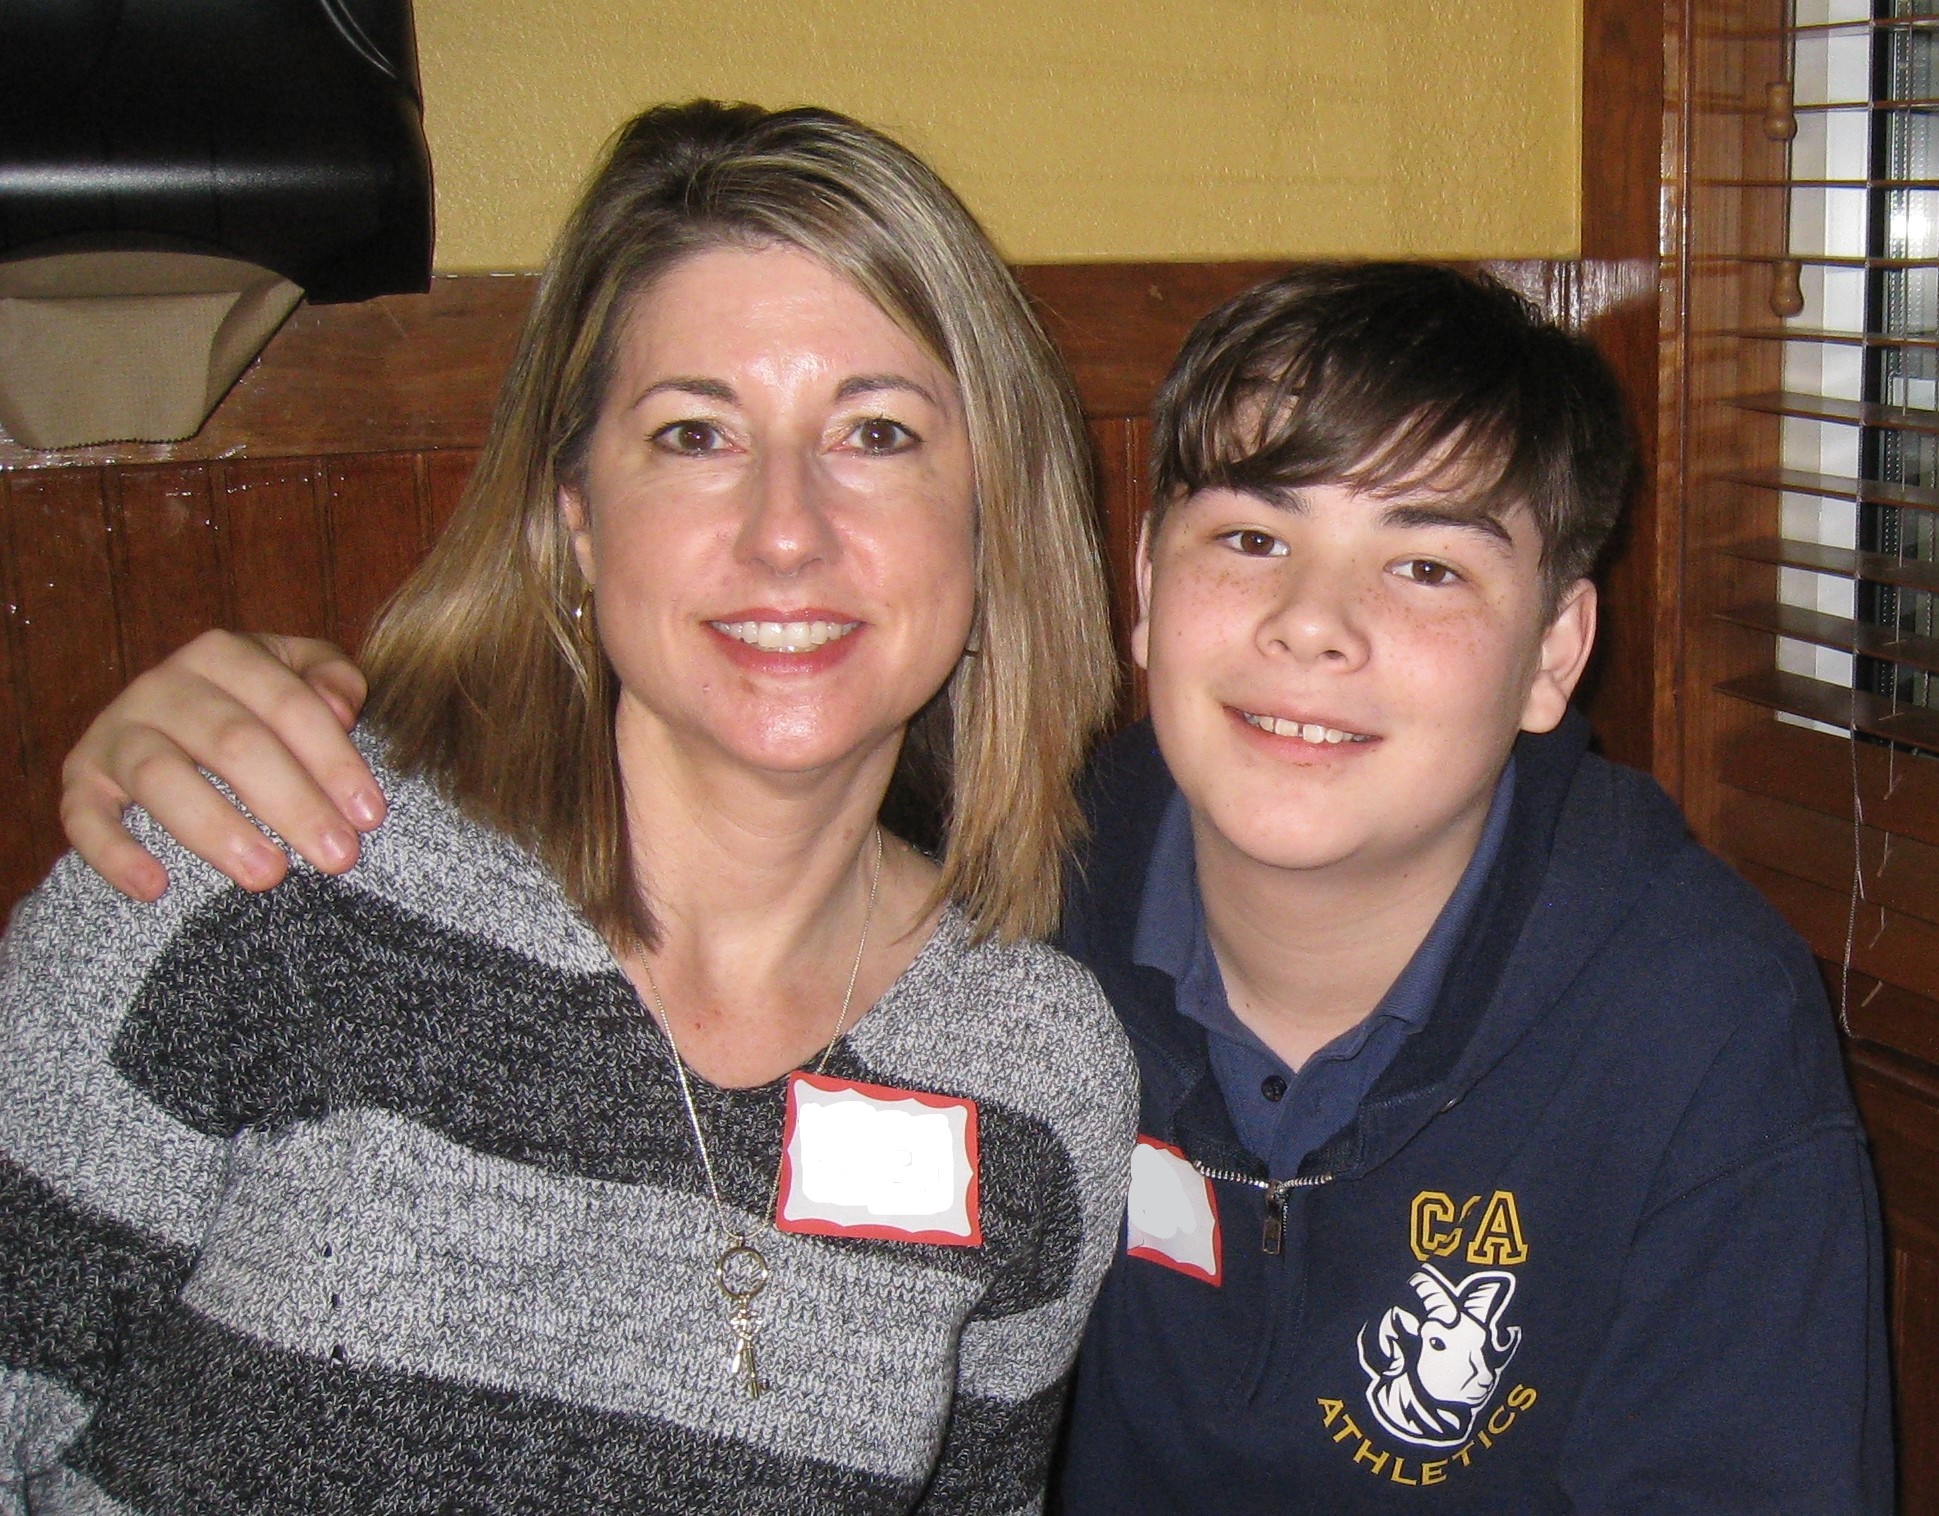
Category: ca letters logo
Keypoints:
(1430, 1376)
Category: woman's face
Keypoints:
(777, 517)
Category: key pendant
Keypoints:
(744, 1367)
(742, 1273)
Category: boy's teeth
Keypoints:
(1306, 731)
(785, 636)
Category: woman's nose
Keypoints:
(786, 526)
(1317, 618)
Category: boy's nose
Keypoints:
(786, 526)
(1317, 620)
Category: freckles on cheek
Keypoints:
(1455, 635)
(1198, 601)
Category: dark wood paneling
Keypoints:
(1119, 325)
(19, 851)
(1899, 1100)
(1631, 698)
(1915, 1330)
(442, 484)
(1627, 193)
(376, 535)
(167, 560)
(277, 563)
(1123, 494)
(66, 637)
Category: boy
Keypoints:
(1496, 1152)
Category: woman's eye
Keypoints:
(1427, 571)
(878, 434)
(689, 437)
(1256, 544)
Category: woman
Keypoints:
(639, 1125)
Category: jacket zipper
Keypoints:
(1275, 1230)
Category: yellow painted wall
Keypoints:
(1077, 129)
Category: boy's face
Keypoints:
(1336, 683)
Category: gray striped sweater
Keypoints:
(375, 1194)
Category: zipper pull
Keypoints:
(1275, 1220)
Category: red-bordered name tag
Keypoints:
(1173, 1214)
(867, 1160)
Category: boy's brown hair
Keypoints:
(1393, 378)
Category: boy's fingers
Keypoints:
(166, 783)
(325, 668)
(228, 704)
(308, 694)
(93, 825)
(269, 756)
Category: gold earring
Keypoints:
(582, 620)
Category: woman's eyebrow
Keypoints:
(874, 384)
(684, 384)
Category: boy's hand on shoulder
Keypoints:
(270, 716)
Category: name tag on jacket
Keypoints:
(1173, 1214)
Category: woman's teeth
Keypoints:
(785, 636)
(1306, 731)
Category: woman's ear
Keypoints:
(578, 524)
(1563, 655)
(1141, 633)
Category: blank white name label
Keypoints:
(1173, 1215)
(867, 1160)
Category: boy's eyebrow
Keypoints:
(1418, 513)
(1415, 512)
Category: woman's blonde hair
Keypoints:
(480, 682)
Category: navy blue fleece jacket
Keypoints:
(1602, 1239)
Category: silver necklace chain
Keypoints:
(741, 1271)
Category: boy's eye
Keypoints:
(1256, 544)
(690, 437)
(1427, 571)
(879, 435)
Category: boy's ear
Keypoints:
(1564, 655)
(1141, 633)
(578, 525)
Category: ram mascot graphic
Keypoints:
(1430, 1376)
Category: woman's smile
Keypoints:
(801, 635)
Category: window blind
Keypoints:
(1855, 305)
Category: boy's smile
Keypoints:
(1336, 681)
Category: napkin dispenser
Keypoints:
(174, 176)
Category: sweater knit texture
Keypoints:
(376, 1194)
